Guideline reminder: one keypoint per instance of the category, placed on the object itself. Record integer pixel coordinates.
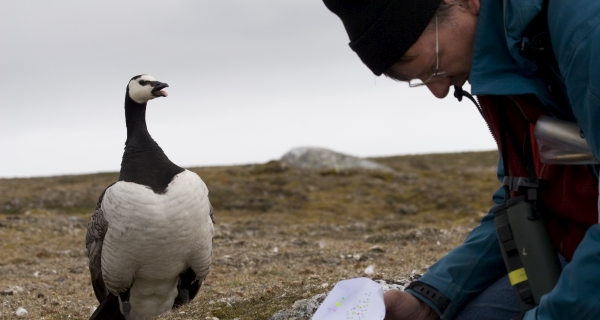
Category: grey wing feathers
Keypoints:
(94, 238)
(97, 227)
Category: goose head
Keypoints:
(144, 87)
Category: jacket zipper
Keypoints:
(478, 105)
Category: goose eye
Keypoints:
(143, 82)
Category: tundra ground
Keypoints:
(282, 233)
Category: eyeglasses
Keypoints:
(437, 75)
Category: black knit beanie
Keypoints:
(381, 31)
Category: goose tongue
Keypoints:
(158, 91)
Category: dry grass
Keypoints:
(282, 233)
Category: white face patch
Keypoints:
(141, 93)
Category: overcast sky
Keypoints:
(249, 80)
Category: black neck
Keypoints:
(144, 162)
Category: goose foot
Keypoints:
(125, 305)
(184, 296)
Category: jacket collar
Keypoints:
(498, 68)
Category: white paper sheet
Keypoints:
(353, 299)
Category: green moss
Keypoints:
(263, 306)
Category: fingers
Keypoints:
(395, 305)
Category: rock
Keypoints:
(21, 312)
(414, 275)
(376, 249)
(12, 290)
(391, 285)
(324, 159)
(370, 270)
(76, 270)
(302, 309)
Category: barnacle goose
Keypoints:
(149, 242)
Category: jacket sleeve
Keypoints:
(577, 47)
(471, 267)
(576, 293)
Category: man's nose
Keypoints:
(440, 88)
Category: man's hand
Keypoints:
(401, 305)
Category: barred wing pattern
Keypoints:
(94, 239)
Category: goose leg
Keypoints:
(125, 305)
(187, 279)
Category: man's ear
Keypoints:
(474, 5)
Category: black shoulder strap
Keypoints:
(536, 45)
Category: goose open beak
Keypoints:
(157, 89)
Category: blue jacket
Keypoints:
(499, 69)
